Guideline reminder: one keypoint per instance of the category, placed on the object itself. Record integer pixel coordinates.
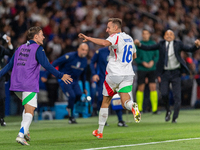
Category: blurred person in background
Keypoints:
(169, 68)
(146, 66)
(3, 52)
(54, 49)
(189, 38)
(73, 63)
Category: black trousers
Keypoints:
(2, 97)
(173, 77)
(52, 89)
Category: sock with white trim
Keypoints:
(26, 121)
(103, 116)
(128, 104)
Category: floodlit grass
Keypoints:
(59, 135)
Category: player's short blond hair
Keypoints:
(116, 21)
(33, 31)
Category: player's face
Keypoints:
(40, 37)
(111, 28)
(83, 50)
(145, 35)
(169, 35)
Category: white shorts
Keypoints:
(29, 98)
(114, 84)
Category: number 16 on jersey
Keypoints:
(127, 55)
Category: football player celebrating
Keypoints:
(119, 71)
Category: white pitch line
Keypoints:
(144, 143)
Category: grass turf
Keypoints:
(58, 134)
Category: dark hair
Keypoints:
(146, 30)
(116, 21)
(33, 31)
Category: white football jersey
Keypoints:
(121, 54)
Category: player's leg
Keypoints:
(103, 116)
(140, 89)
(27, 135)
(2, 101)
(68, 90)
(77, 91)
(103, 113)
(100, 97)
(164, 89)
(130, 105)
(153, 92)
(153, 97)
(108, 93)
(176, 89)
(119, 115)
(52, 89)
(140, 96)
(70, 107)
(29, 100)
(121, 123)
(124, 88)
(2, 111)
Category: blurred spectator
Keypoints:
(187, 80)
(19, 25)
(146, 63)
(196, 61)
(189, 38)
(67, 46)
(137, 31)
(54, 48)
(169, 68)
(3, 52)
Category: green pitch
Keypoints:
(59, 135)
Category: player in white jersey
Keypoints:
(121, 51)
(119, 72)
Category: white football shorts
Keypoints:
(114, 84)
(29, 98)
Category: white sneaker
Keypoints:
(21, 141)
(136, 113)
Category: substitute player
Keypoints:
(25, 65)
(119, 71)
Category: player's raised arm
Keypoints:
(97, 41)
(42, 59)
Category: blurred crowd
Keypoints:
(62, 20)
